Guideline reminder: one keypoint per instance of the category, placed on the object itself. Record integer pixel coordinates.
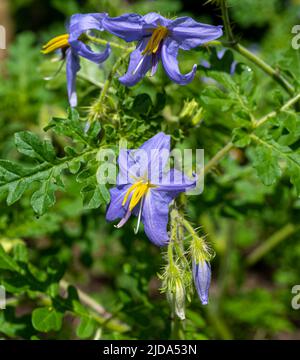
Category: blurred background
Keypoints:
(251, 294)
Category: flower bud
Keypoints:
(179, 300)
(191, 111)
(202, 277)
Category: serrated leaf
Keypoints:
(92, 196)
(31, 145)
(85, 328)
(266, 163)
(46, 319)
(44, 197)
(10, 171)
(16, 191)
(241, 138)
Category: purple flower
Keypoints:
(202, 277)
(145, 189)
(72, 46)
(159, 39)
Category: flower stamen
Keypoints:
(138, 190)
(59, 42)
(158, 35)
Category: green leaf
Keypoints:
(266, 164)
(31, 145)
(142, 104)
(44, 197)
(241, 138)
(85, 328)
(46, 319)
(6, 262)
(94, 195)
(16, 191)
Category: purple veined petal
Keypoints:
(155, 216)
(72, 68)
(80, 23)
(152, 20)
(202, 278)
(177, 181)
(133, 164)
(149, 161)
(115, 210)
(139, 65)
(189, 33)
(169, 59)
(127, 27)
(85, 51)
(158, 153)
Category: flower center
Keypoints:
(138, 190)
(59, 42)
(158, 35)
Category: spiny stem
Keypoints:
(270, 243)
(273, 73)
(226, 21)
(232, 43)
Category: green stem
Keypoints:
(105, 42)
(111, 75)
(188, 226)
(226, 21)
(270, 243)
(229, 146)
(100, 315)
(232, 43)
(274, 74)
(219, 156)
(272, 114)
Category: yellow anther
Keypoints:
(138, 190)
(157, 37)
(59, 42)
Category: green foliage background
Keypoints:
(249, 209)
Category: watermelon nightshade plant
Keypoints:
(152, 195)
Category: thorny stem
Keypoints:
(273, 73)
(234, 44)
(226, 21)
